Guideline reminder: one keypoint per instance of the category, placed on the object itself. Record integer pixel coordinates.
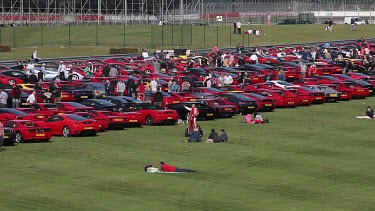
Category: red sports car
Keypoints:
(27, 130)
(7, 114)
(102, 122)
(72, 124)
(74, 107)
(265, 103)
(48, 109)
(116, 121)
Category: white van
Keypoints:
(357, 20)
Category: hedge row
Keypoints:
(5, 48)
(123, 50)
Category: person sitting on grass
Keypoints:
(369, 114)
(168, 168)
(195, 136)
(213, 137)
(223, 135)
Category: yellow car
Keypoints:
(27, 86)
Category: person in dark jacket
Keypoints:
(16, 95)
(213, 137)
(158, 97)
(370, 112)
(130, 85)
(109, 88)
(223, 135)
(106, 70)
(169, 168)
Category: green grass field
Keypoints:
(308, 158)
(84, 39)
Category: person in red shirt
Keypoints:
(215, 49)
(169, 168)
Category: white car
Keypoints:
(53, 74)
(282, 84)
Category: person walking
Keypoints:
(239, 24)
(16, 94)
(120, 88)
(234, 27)
(108, 88)
(42, 72)
(113, 72)
(34, 56)
(30, 67)
(352, 23)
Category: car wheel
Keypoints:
(149, 120)
(11, 82)
(44, 140)
(66, 131)
(92, 133)
(75, 77)
(19, 137)
(147, 71)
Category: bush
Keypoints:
(5, 48)
(122, 50)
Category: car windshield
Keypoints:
(130, 99)
(52, 106)
(151, 107)
(97, 86)
(285, 83)
(76, 104)
(326, 88)
(16, 112)
(28, 124)
(106, 113)
(103, 102)
(256, 95)
(76, 117)
(68, 87)
(242, 97)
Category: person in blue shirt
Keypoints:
(174, 87)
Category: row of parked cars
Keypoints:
(86, 109)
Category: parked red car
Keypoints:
(27, 130)
(74, 107)
(102, 122)
(71, 124)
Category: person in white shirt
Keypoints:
(313, 55)
(228, 80)
(61, 70)
(35, 56)
(250, 31)
(31, 99)
(254, 58)
(30, 67)
(154, 85)
(239, 27)
(167, 56)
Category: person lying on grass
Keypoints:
(169, 168)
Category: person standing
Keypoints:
(3, 98)
(108, 88)
(194, 112)
(42, 72)
(30, 67)
(239, 27)
(34, 56)
(70, 72)
(31, 99)
(215, 49)
(281, 75)
(312, 70)
(113, 72)
(1, 134)
(303, 69)
(156, 65)
(254, 58)
(174, 87)
(352, 23)
(154, 85)
(57, 93)
(234, 27)
(158, 97)
(120, 88)
(130, 84)
(61, 70)
(330, 23)
(106, 69)
(147, 94)
(228, 80)
(16, 94)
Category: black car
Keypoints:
(288, 21)
(17, 74)
(205, 112)
(100, 104)
(9, 136)
(126, 103)
(220, 107)
(245, 105)
(77, 92)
